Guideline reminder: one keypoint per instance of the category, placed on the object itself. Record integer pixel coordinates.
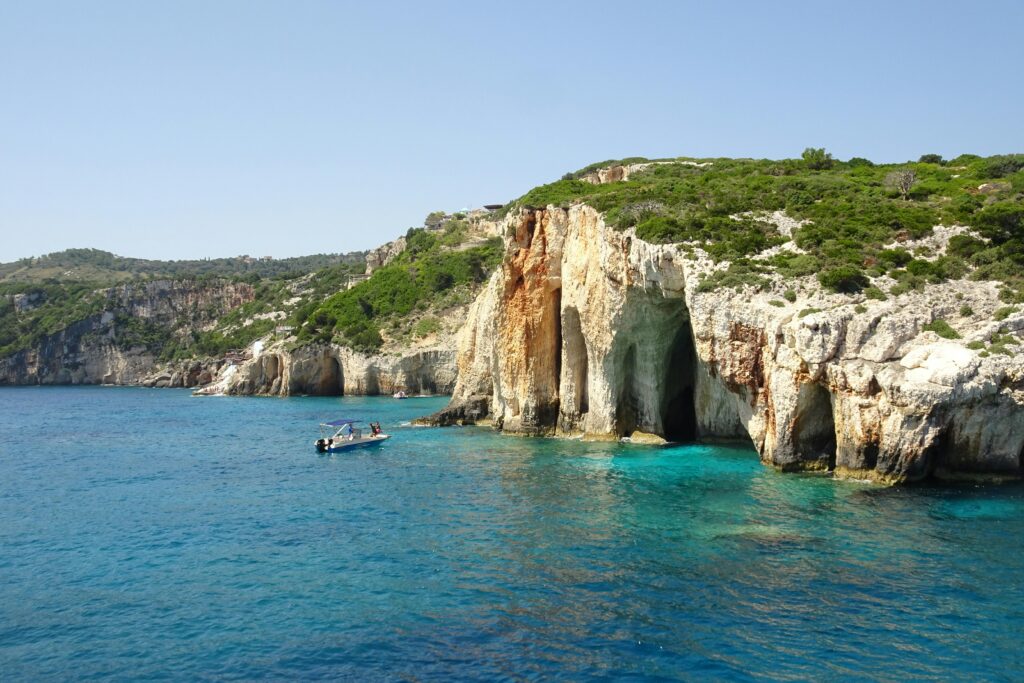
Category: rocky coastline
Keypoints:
(590, 332)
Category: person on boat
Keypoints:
(375, 428)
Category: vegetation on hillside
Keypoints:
(440, 268)
(54, 306)
(428, 271)
(96, 267)
(858, 212)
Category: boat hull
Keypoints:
(339, 446)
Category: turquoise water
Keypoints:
(149, 534)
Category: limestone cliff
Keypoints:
(588, 331)
(102, 348)
(417, 362)
(332, 370)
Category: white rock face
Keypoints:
(331, 370)
(589, 331)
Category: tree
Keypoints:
(817, 159)
(433, 219)
(902, 180)
(930, 159)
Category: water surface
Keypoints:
(146, 533)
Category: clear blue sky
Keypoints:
(214, 128)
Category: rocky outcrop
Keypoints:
(95, 350)
(621, 172)
(331, 370)
(184, 374)
(587, 331)
(384, 254)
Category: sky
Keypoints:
(216, 128)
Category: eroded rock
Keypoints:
(590, 331)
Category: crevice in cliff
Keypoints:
(814, 428)
(575, 365)
(556, 297)
(628, 412)
(678, 414)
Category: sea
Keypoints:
(149, 534)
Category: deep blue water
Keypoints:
(149, 534)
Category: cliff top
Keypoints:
(847, 222)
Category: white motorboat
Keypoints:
(344, 434)
(401, 394)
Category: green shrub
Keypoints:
(941, 328)
(1004, 312)
(808, 311)
(860, 308)
(845, 279)
(777, 303)
(1002, 166)
(426, 326)
(1002, 223)
(930, 159)
(799, 265)
(895, 258)
(966, 311)
(976, 345)
(875, 293)
(920, 268)
(740, 274)
(789, 295)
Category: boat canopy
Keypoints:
(340, 423)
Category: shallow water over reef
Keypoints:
(147, 533)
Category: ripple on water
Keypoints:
(190, 538)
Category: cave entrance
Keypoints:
(814, 431)
(330, 378)
(678, 414)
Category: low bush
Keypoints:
(941, 328)
(846, 279)
(1004, 312)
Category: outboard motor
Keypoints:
(321, 445)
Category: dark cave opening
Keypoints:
(814, 431)
(678, 413)
(331, 383)
(628, 413)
